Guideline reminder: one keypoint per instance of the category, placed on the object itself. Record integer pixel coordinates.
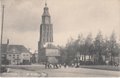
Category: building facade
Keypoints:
(16, 54)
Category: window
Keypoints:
(13, 60)
(13, 56)
(17, 56)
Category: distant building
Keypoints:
(3, 49)
(18, 54)
(15, 54)
(82, 57)
(34, 58)
(46, 49)
(4, 53)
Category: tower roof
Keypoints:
(46, 10)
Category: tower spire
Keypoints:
(45, 3)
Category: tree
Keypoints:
(73, 47)
(63, 53)
(80, 47)
(88, 45)
(113, 47)
(106, 47)
(70, 49)
(81, 42)
(98, 43)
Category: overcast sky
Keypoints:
(69, 18)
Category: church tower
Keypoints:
(46, 29)
(47, 51)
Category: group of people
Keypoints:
(56, 65)
(52, 65)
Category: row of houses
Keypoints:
(15, 54)
(95, 58)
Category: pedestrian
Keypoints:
(65, 65)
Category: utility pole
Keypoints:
(2, 23)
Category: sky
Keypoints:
(69, 18)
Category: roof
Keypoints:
(14, 49)
(50, 45)
(17, 49)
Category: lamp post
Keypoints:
(2, 23)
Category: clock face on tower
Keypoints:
(47, 20)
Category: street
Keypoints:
(39, 70)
